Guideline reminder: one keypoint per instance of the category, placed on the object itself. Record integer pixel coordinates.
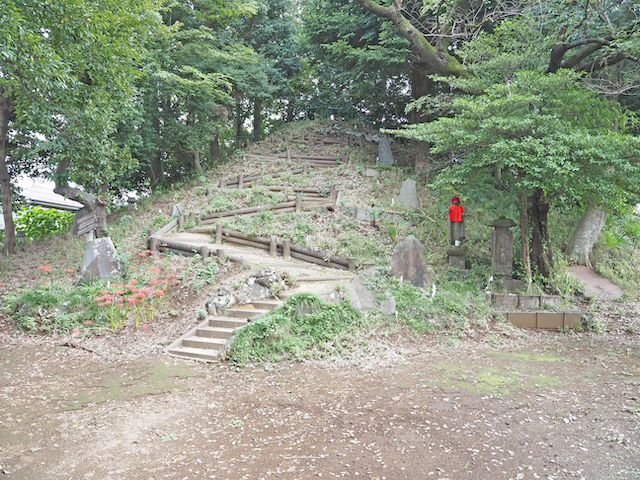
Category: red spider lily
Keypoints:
(98, 299)
(104, 292)
(153, 281)
(119, 292)
(76, 330)
(88, 322)
(134, 281)
(108, 302)
(154, 269)
(159, 292)
(145, 326)
(132, 267)
(119, 305)
(70, 270)
(45, 268)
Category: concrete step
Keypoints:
(226, 322)
(204, 342)
(244, 312)
(214, 332)
(266, 304)
(191, 353)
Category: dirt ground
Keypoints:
(506, 406)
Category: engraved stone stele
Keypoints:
(100, 260)
(502, 247)
(409, 263)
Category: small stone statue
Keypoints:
(456, 222)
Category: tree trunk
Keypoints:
(93, 203)
(156, 169)
(524, 237)
(238, 123)
(585, 235)
(5, 179)
(196, 160)
(257, 120)
(541, 251)
(214, 148)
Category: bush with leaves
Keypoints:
(38, 222)
(303, 327)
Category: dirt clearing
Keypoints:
(545, 406)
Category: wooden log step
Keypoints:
(247, 313)
(266, 304)
(190, 353)
(226, 322)
(205, 343)
(214, 332)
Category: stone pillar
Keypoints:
(457, 257)
(502, 247)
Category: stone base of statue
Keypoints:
(457, 257)
(508, 284)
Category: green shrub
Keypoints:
(38, 222)
(303, 327)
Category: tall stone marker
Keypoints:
(408, 262)
(385, 157)
(408, 194)
(502, 247)
(100, 260)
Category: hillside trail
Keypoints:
(491, 403)
(595, 285)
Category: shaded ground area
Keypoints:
(524, 407)
(595, 285)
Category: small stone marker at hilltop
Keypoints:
(408, 262)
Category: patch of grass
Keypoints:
(455, 305)
(55, 308)
(303, 327)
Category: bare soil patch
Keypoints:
(529, 406)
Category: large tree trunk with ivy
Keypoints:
(93, 203)
(214, 148)
(541, 251)
(257, 120)
(585, 235)
(5, 178)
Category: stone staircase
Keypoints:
(210, 340)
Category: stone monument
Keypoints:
(408, 262)
(502, 254)
(385, 157)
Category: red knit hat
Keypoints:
(455, 199)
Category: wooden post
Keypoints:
(222, 183)
(352, 264)
(204, 252)
(240, 181)
(207, 191)
(220, 253)
(332, 193)
(298, 206)
(305, 168)
(288, 154)
(153, 244)
(273, 246)
(219, 234)
(192, 217)
(180, 222)
(286, 249)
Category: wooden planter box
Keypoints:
(545, 320)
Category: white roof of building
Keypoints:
(45, 197)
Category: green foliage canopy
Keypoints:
(545, 133)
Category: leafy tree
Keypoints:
(67, 68)
(543, 141)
